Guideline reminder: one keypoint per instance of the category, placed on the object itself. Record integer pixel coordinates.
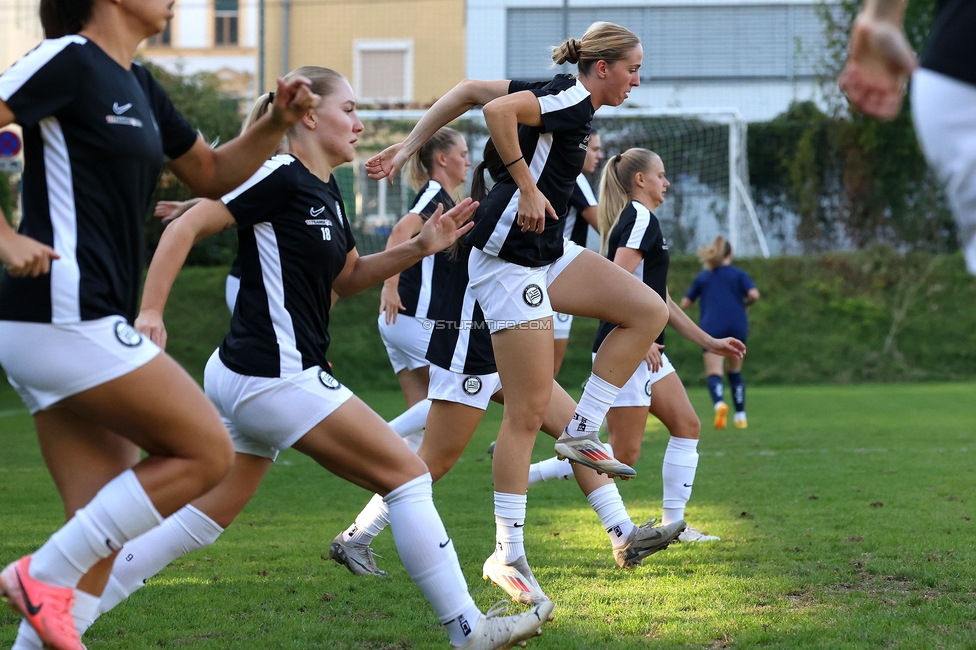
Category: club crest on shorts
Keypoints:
(647, 388)
(127, 335)
(532, 295)
(562, 318)
(328, 380)
(472, 385)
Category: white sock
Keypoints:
(84, 612)
(27, 638)
(509, 526)
(550, 469)
(413, 420)
(119, 512)
(598, 397)
(369, 523)
(428, 556)
(186, 530)
(678, 472)
(609, 507)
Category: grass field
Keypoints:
(844, 515)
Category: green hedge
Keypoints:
(873, 316)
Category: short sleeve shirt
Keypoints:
(951, 48)
(422, 285)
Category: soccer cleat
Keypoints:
(694, 535)
(45, 607)
(740, 421)
(358, 558)
(590, 452)
(516, 579)
(497, 632)
(721, 413)
(646, 540)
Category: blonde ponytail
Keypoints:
(603, 41)
(713, 256)
(421, 164)
(615, 185)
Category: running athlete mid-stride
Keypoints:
(632, 187)
(539, 134)
(434, 172)
(270, 380)
(98, 130)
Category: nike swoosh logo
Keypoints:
(118, 110)
(30, 606)
(445, 543)
(688, 484)
(518, 525)
(315, 213)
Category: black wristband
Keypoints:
(514, 161)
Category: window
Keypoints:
(225, 24)
(163, 38)
(684, 42)
(383, 71)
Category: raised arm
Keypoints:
(879, 59)
(439, 232)
(211, 173)
(201, 221)
(403, 231)
(453, 104)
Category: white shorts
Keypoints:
(406, 341)
(561, 325)
(47, 362)
(944, 111)
(268, 414)
(470, 390)
(637, 390)
(511, 295)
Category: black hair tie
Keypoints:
(271, 97)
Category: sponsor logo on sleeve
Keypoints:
(127, 335)
(532, 295)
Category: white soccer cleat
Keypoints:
(358, 558)
(516, 579)
(496, 632)
(590, 452)
(695, 535)
(645, 540)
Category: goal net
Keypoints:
(704, 153)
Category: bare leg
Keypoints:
(625, 426)
(414, 384)
(559, 354)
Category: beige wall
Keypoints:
(20, 30)
(322, 32)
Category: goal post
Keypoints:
(704, 154)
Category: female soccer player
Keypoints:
(539, 133)
(98, 129)
(725, 293)
(632, 187)
(579, 218)
(435, 172)
(464, 379)
(269, 378)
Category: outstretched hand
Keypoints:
(26, 257)
(292, 100)
(444, 228)
(879, 62)
(388, 162)
(728, 347)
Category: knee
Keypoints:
(688, 426)
(215, 461)
(626, 451)
(647, 311)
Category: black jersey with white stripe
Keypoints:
(460, 341)
(293, 241)
(951, 47)
(639, 229)
(95, 139)
(554, 153)
(421, 285)
(575, 227)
